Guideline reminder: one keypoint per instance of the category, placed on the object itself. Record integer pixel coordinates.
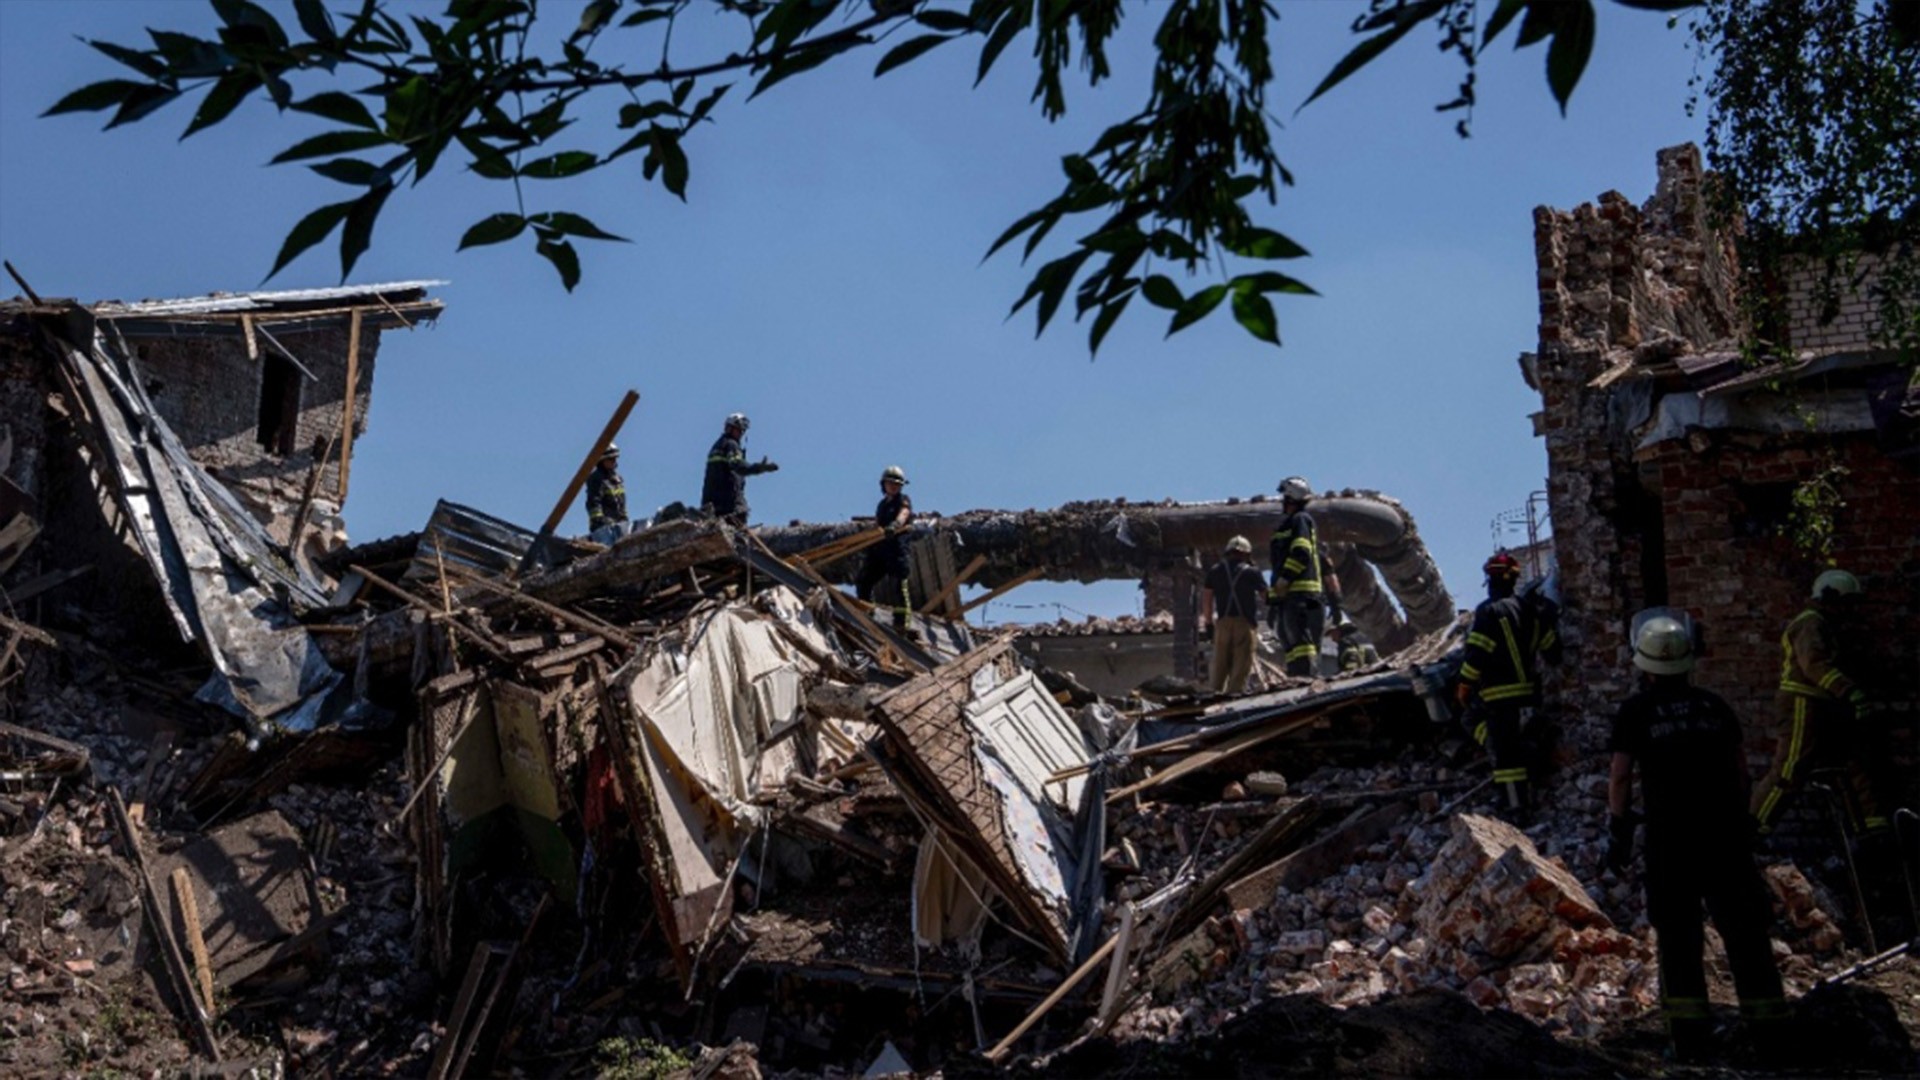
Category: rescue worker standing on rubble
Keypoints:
(724, 492)
(606, 497)
(1686, 744)
(887, 559)
(1353, 649)
(1499, 683)
(1822, 714)
(1232, 594)
(1296, 601)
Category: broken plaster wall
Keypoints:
(1698, 521)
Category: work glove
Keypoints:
(1462, 694)
(1864, 708)
(1620, 840)
(765, 466)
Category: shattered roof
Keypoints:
(280, 300)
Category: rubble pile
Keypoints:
(481, 801)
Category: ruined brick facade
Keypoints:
(1671, 468)
(254, 421)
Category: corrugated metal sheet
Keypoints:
(468, 539)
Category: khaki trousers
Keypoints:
(1233, 643)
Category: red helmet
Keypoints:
(1502, 566)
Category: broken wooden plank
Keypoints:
(484, 640)
(347, 404)
(170, 958)
(1286, 829)
(836, 549)
(29, 632)
(1213, 755)
(34, 586)
(196, 937)
(1066, 986)
(1117, 973)
(456, 1042)
(952, 588)
(1004, 588)
(840, 836)
(662, 551)
(577, 620)
(1316, 860)
(579, 480)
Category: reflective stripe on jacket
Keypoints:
(1810, 659)
(1294, 552)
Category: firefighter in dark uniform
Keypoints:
(1823, 714)
(724, 492)
(606, 494)
(1686, 744)
(887, 560)
(1499, 678)
(1296, 602)
(1353, 649)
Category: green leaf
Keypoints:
(1103, 322)
(357, 235)
(1267, 281)
(1405, 19)
(348, 171)
(311, 230)
(339, 107)
(560, 166)
(145, 63)
(1080, 170)
(906, 51)
(1003, 34)
(1265, 244)
(1254, 312)
(140, 102)
(315, 20)
(1572, 45)
(705, 105)
(242, 13)
(1118, 240)
(493, 230)
(947, 22)
(643, 17)
(94, 97)
(226, 95)
(1161, 292)
(672, 161)
(566, 224)
(488, 162)
(796, 62)
(1018, 227)
(594, 17)
(1540, 23)
(1197, 307)
(1501, 16)
(328, 144)
(564, 259)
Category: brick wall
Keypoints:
(1849, 319)
(1699, 521)
(209, 390)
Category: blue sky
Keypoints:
(825, 276)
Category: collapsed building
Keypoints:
(428, 806)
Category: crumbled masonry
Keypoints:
(445, 805)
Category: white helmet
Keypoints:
(1296, 489)
(1663, 646)
(894, 472)
(612, 451)
(1240, 544)
(738, 420)
(1834, 584)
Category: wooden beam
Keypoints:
(176, 965)
(1066, 986)
(1200, 759)
(189, 907)
(846, 545)
(1117, 974)
(951, 588)
(578, 621)
(347, 405)
(579, 480)
(483, 640)
(1002, 590)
